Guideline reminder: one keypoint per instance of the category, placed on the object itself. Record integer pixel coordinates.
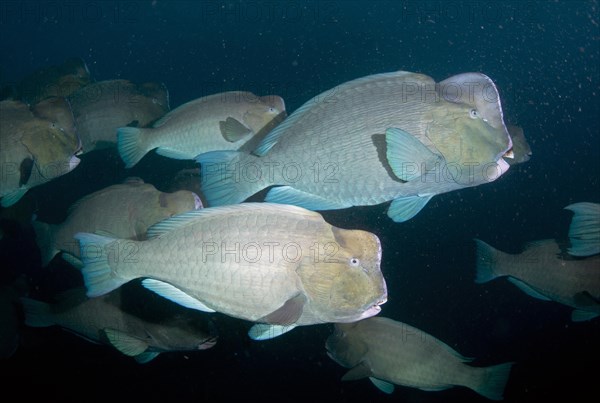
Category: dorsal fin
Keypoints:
(327, 96)
(181, 220)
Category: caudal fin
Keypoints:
(132, 144)
(98, 276)
(486, 262)
(493, 381)
(44, 237)
(584, 231)
(37, 313)
(11, 198)
(230, 177)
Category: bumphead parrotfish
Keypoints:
(124, 210)
(390, 352)
(280, 266)
(224, 121)
(33, 150)
(549, 270)
(395, 136)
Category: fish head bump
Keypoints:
(343, 345)
(345, 283)
(53, 150)
(179, 202)
(267, 112)
(468, 129)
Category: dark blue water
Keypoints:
(544, 59)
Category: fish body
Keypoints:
(395, 136)
(124, 210)
(280, 266)
(33, 150)
(548, 270)
(224, 121)
(101, 320)
(54, 81)
(102, 107)
(543, 271)
(391, 352)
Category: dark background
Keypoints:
(543, 57)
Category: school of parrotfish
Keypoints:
(398, 137)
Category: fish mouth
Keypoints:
(509, 154)
(73, 162)
(207, 344)
(374, 309)
(197, 202)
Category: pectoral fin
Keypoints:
(146, 357)
(407, 156)
(436, 389)
(288, 313)
(172, 153)
(123, 342)
(233, 130)
(579, 315)
(25, 170)
(405, 208)
(262, 331)
(11, 198)
(528, 290)
(174, 294)
(383, 386)
(289, 195)
(360, 371)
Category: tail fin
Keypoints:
(494, 380)
(37, 313)
(44, 237)
(230, 177)
(487, 261)
(584, 231)
(132, 144)
(98, 276)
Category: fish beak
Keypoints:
(207, 344)
(374, 309)
(509, 154)
(73, 162)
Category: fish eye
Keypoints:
(473, 114)
(354, 262)
(272, 110)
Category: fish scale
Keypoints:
(361, 135)
(391, 352)
(302, 283)
(223, 121)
